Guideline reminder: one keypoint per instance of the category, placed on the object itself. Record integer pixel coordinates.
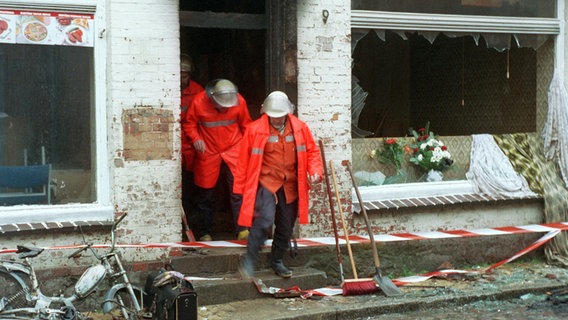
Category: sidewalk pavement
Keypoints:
(507, 281)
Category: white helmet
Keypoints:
(224, 92)
(277, 105)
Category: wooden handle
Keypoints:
(351, 259)
(188, 232)
(332, 210)
(369, 230)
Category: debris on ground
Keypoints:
(533, 286)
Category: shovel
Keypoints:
(386, 284)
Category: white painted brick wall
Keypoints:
(324, 77)
(143, 70)
(324, 86)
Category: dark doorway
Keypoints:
(226, 39)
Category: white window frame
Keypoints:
(401, 21)
(102, 209)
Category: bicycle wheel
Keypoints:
(14, 289)
(125, 306)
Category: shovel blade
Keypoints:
(388, 287)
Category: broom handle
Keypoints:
(188, 232)
(331, 208)
(351, 259)
(371, 238)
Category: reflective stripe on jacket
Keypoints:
(221, 132)
(250, 163)
(187, 151)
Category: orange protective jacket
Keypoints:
(250, 163)
(187, 150)
(222, 133)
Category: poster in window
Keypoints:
(7, 27)
(46, 28)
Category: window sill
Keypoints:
(57, 217)
(425, 194)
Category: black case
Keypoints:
(176, 303)
(185, 306)
(172, 301)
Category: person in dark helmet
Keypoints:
(278, 162)
(189, 89)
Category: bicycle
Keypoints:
(22, 298)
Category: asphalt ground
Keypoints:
(514, 280)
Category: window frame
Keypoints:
(362, 20)
(102, 209)
(366, 19)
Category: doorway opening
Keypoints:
(226, 39)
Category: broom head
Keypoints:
(353, 287)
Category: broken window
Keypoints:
(448, 68)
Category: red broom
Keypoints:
(354, 286)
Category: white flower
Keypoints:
(423, 146)
(420, 157)
(373, 154)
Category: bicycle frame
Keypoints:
(34, 294)
(111, 298)
(109, 267)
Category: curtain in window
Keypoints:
(554, 133)
(491, 172)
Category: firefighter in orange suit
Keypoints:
(278, 161)
(215, 123)
(189, 89)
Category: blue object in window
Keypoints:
(24, 185)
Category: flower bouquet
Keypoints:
(430, 153)
(392, 153)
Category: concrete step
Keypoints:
(222, 282)
(233, 289)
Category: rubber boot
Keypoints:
(246, 268)
(277, 263)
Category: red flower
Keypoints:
(390, 141)
(421, 130)
(444, 148)
(415, 150)
(426, 136)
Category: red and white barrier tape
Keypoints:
(552, 230)
(544, 239)
(419, 278)
(330, 241)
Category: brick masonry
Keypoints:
(148, 134)
(142, 41)
(324, 100)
